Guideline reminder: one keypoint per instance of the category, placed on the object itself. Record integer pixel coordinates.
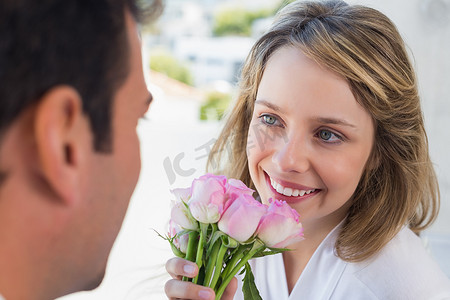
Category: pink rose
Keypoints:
(237, 186)
(180, 213)
(241, 217)
(182, 194)
(208, 198)
(180, 242)
(280, 226)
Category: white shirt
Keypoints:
(401, 270)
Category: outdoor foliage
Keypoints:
(215, 106)
(166, 63)
(237, 21)
(282, 4)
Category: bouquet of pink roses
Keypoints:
(218, 224)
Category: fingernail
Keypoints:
(205, 294)
(189, 269)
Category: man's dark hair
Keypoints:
(81, 43)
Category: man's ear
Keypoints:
(60, 134)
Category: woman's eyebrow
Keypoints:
(323, 120)
(334, 121)
(269, 105)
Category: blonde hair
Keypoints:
(398, 186)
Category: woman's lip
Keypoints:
(289, 184)
(290, 199)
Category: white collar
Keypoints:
(323, 261)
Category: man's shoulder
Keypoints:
(403, 267)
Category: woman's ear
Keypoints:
(60, 135)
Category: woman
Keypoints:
(329, 120)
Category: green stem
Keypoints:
(235, 258)
(219, 264)
(210, 236)
(190, 251)
(211, 262)
(214, 228)
(200, 250)
(257, 246)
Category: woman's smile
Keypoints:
(290, 192)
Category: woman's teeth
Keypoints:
(289, 191)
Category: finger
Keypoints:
(187, 290)
(230, 290)
(178, 267)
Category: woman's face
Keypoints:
(309, 139)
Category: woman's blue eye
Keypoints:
(270, 120)
(329, 136)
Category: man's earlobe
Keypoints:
(60, 134)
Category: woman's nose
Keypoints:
(292, 155)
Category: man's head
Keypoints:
(79, 43)
(72, 92)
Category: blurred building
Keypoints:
(213, 59)
(185, 30)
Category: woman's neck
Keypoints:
(296, 260)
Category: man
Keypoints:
(71, 93)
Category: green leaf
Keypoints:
(176, 251)
(186, 206)
(249, 287)
(216, 236)
(159, 234)
(183, 232)
(229, 242)
(271, 251)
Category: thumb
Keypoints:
(230, 290)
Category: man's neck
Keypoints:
(23, 262)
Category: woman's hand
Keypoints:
(177, 289)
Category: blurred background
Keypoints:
(192, 58)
